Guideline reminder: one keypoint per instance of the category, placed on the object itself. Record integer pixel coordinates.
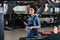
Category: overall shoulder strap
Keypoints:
(35, 21)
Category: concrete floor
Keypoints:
(17, 33)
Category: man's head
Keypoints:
(32, 9)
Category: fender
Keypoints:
(53, 4)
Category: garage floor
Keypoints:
(17, 33)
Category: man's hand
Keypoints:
(30, 27)
(25, 23)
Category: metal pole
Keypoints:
(1, 22)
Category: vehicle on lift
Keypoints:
(44, 20)
(47, 21)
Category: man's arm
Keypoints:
(34, 27)
(26, 24)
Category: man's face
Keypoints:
(31, 11)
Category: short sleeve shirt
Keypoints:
(33, 20)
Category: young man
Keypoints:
(32, 26)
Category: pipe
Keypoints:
(41, 9)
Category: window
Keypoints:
(51, 10)
(57, 10)
(1, 8)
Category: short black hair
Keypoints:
(34, 7)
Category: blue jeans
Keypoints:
(32, 33)
(1, 26)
